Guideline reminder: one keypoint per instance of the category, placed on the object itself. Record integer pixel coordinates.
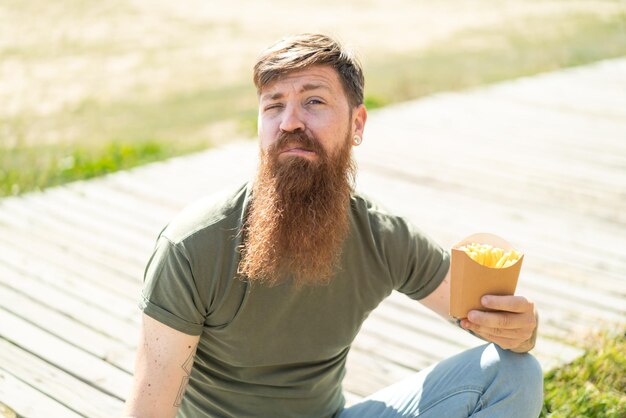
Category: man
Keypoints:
(250, 305)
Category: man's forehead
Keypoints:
(313, 78)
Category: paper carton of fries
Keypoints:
(482, 264)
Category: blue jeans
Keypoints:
(483, 382)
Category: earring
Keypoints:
(357, 140)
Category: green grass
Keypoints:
(594, 385)
(92, 134)
(54, 165)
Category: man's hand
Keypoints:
(513, 326)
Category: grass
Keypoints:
(594, 385)
(57, 165)
(94, 138)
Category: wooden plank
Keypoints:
(584, 296)
(412, 315)
(584, 278)
(79, 310)
(493, 135)
(120, 354)
(367, 373)
(388, 350)
(478, 118)
(493, 186)
(111, 196)
(80, 364)
(69, 209)
(492, 197)
(485, 108)
(84, 290)
(19, 230)
(563, 92)
(127, 183)
(62, 228)
(58, 261)
(153, 216)
(495, 169)
(58, 385)
(483, 141)
(29, 402)
(447, 334)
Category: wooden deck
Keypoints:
(540, 161)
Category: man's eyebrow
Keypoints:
(268, 96)
(314, 86)
(306, 87)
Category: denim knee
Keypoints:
(520, 375)
(524, 367)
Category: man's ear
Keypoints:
(359, 117)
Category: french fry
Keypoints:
(502, 260)
(489, 256)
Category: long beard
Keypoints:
(298, 218)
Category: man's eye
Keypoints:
(315, 101)
(273, 106)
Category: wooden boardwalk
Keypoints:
(540, 161)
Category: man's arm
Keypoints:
(512, 327)
(162, 368)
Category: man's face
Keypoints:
(311, 101)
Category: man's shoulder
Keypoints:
(221, 211)
(365, 205)
(381, 221)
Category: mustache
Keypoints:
(296, 139)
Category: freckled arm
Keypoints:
(162, 368)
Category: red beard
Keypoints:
(298, 218)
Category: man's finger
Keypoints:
(491, 333)
(501, 319)
(511, 303)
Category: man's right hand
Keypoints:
(162, 369)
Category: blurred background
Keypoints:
(89, 87)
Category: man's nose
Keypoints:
(292, 120)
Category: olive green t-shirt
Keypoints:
(277, 351)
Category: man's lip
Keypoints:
(297, 150)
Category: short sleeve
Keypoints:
(418, 263)
(170, 294)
